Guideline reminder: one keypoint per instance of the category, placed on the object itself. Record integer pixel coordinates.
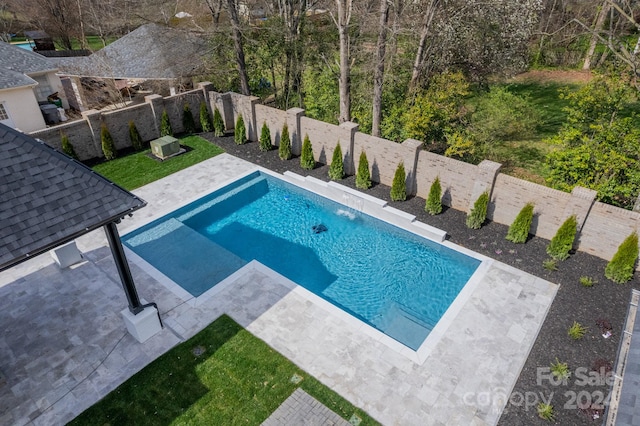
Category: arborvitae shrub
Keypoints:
(134, 136)
(336, 169)
(240, 134)
(67, 147)
(620, 268)
(433, 206)
(562, 242)
(363, 176)
(108, 149)
(188, 123)
(165, 125)
(205, 118)
(284, 150)
(265, 138)
(307, 161)
(218, 124)
(478, 213)
(519, 229)
(399, 185)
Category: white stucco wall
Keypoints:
(23, 109)
(55, 85)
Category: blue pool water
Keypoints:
(394, 280)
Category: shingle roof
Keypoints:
(46, 198)
(17, 62)
(151, 52)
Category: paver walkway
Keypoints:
(301, 409)
(63, 345)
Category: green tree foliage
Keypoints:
(218, 124)
(433, 205)
(438, 109)
(321, 94)
(134, 136)
(284, 149)
(463, 146)
(165, 124)
(599, 146)
(336, 169)
(562, 243)
(363, 176)
(188, 123)
(67, 147)
(108, 148)
(399, 184)
(265, 138)
(519, 229)
(620, 268)
(478, 213)
(240, 134)
(205, 118)
(307, 161)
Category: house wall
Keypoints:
(602, 228)
(23, 109)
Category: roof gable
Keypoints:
(17, 62)
(47, 198)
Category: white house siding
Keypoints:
(22, 107)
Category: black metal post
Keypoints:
(123, 268)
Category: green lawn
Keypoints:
(138, 169)
(238, 380)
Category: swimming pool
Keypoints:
(393, 280)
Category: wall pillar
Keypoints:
(206, 88)
(94, 121)
(579, 205)
(485, 179)
(157, 106)
(293, 120)
(348, 135)
(249, 114)
(636, 206)
(412, 148)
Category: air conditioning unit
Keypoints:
(165, 147)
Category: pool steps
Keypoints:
(367, 204)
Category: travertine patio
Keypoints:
(64, 345)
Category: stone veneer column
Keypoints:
(636, 206)
(156, 102)
(249, 112)
(293, 121)
(94, 120)
(349, 132)
(485, 179)
(412, 147)
(206, 88)
(580, 204)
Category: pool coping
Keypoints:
(402, 220)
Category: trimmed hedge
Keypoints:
(205, 118)
(363, 176)
(165, 125)
(265, 138)
(108, 148)
(188, 123)
(218, 124)
(519, 229)
(621, 267)
(433, 205)
(284, 149)
(562, 243)
(134, 136)
(336, 169)
(67, 147)
(399, 185)
(478, 213)
(307, 161)
(240, 134)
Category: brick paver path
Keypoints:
(302, 409)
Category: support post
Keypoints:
(123, 268)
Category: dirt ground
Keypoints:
(554, 76)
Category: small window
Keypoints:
(3, 113)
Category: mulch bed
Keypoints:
(574, 302)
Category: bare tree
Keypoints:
(59, 18)
(378, 74)
(6, 21)
(343, 12)
(419, 62)
(232, 8)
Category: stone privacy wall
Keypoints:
(84, 135)
(601, 227)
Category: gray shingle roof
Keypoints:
(17, 62)
(46, 198)
(150, 52)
